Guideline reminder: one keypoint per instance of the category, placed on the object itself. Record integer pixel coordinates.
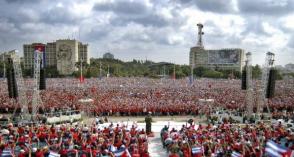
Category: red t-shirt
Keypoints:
(21, 155)
(39, 154)
(173, 155)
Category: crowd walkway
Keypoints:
(155, 146)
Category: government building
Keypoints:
(62, 55)
(225, 59)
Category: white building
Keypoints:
(62, 55)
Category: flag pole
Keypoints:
(81, 75)
(174, 71)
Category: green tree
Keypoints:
(51, 72)
(212, 74)
(256, 72)
(279, 76)
(200, 71)
(186, 69)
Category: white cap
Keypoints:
(34, 149)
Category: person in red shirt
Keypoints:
(63, 152)
(22, 153)
(173, 155)
(39, 153)
(186, 150)
(135, 153)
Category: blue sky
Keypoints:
(159, 30)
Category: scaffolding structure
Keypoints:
(37, 101)
(22, 90)
(269, 63)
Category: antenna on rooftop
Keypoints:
(200, 33)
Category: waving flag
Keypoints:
(112, 148)
(6, 153)
(275, 150)
(121, 152)
(236, 154)
(197, 150)
(53, 154)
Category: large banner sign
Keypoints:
(41, 50)
(223, 57)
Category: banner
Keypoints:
(223, 57)
(41, 50)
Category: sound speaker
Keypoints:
(9, 82)
(42, 85)
(270, 91)
(244, 82)
(14, 84)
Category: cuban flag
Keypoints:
(236, 154)
(53, 154)
(6, 153)
(275, 150)
(112, 148)
(122, 152)
(197, 150)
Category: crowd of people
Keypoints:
(226, 140)
(73, 141)
(138, 96)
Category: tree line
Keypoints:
(100, 67)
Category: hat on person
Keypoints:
(34, 149)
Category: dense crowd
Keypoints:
(226, 140)
(73, 141)
(137, 96)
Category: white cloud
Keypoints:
(161, 30)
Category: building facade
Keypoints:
(10, 54)
(227, 59)
(62, 55)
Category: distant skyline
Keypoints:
(159, 30)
